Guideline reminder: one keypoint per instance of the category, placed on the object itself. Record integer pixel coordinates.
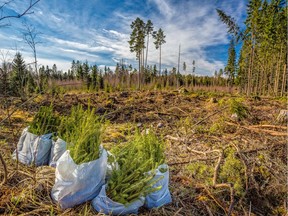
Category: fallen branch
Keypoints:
(171, 114)
(215, 177)
(176, 213)
(205, 152)
(218, 202)
(5, 169)
(265, 148)
(218, 111)
(37, 211)
(191, 161)
(245, 163)
(217, 167)
(207, 208)
(10, 114)
(257, 129)
(269, 126)
(179, 139)
(232, 193)
(271, 132)
(179, 110)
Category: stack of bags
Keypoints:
(118, 183)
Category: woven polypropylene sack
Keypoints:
(161, 197)
(76, 184)
(105, 205)
(33, 149)
(57, 150)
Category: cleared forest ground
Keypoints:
(220, 163)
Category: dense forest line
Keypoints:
(262, 65)
(20, 81)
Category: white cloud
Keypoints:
(164, 8)
(112, 67)
(195, 26)
(79, 46)
(74, 35)
(61, 64)
(116, 34)
(9, 54)
(80, 54)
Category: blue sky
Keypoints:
(98, 31)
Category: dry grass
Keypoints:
(175, 116)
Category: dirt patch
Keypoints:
(195, 129)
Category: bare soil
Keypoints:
(197, 127)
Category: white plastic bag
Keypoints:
(75, 184)
(161, 197)
(105, 205)
(111, 165)
(57, 150)
(33, 149)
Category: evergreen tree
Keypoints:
(79, 71)
(100, 80)
(47, 71)
(86, 75)
(73, 69)
(54, 72)
(159, 41)
(193, 66)
(230, 69)
(31, 84)
(85, 68)
(137, 41)
(262, 61)
(19, 76)
(43, 75)
(148, 32)
(4, 81)
(233, 28)
(184, 67)
(94, 76)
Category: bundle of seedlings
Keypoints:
(137, 162)
(82, 132)
(35, 142)
(80, 172)
(45, 121)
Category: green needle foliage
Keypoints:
(238, 107)
(233, 171)
(82, 131)
(137, 163)
(45, 121)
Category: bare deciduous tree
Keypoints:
(30, 37)
(18, 14)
